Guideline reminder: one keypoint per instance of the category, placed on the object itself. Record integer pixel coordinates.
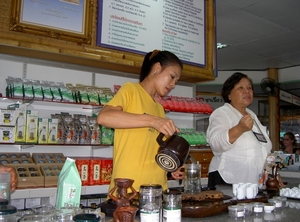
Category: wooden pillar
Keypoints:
(273, 101)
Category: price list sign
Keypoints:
(141, 26)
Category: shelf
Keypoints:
(51, 192)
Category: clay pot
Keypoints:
(272, 182)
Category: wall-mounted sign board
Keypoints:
(141, 26)
(185, 28)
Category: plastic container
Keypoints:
(258, 207)
(283, 199)
(236, 211)
(5, 186)
(150, 203)
(276, 202)
(248, 208)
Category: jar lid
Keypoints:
(235, 208)
(3, 202)
(150, 186)
(172, 192)
(258, 204)
(86, 218)
(7, 209)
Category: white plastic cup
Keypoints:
(255, 187)
(234, 187)
(5, 186)
(250, 192)
(241, 193)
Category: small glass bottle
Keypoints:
(172, 206)
(150, 203)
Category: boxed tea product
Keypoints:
(7, 134)
(43, 130)
(32, 126)
(53, 133)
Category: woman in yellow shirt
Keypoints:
(138, 118)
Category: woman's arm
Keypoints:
(115, 117)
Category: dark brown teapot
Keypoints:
(272, 183)
(172, 153)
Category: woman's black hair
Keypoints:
(231, 82)
(165, 58)
(291, 137)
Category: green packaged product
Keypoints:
(68, 185)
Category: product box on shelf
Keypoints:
(43, 130)
(29, 176)
(32, 126)
(82, 164)
(53, 131)
(94, 170)
(106, 170)
(20, 133)
(51, 173)
(7, 117)
(7, 134)
(48, 158)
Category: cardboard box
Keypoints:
(18, 203)
(106, 170)
(31, 202)
(20, 133)
(95, 171)
(7, 134)
(15, 158)
(53, 133)
(7, 117)
(51, 173)
(48, 158)
(82, 164)
(32, 126)
(29, 176)
(43, 130)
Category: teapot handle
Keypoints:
(160, 140)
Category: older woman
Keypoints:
(238, 140)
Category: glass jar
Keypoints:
(172, 206)
(150, 203)
(8, 213)
(192, 178)
(36, 218)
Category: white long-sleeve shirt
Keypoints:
(242, 161)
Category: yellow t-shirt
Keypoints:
(135, 149)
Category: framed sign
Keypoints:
(61, 19)
(186, 28)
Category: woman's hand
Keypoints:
(178, 174)
(246, 123)
(165, 126)
(13, 176)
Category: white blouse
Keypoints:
(242, 161)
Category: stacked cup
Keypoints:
(245, 190)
